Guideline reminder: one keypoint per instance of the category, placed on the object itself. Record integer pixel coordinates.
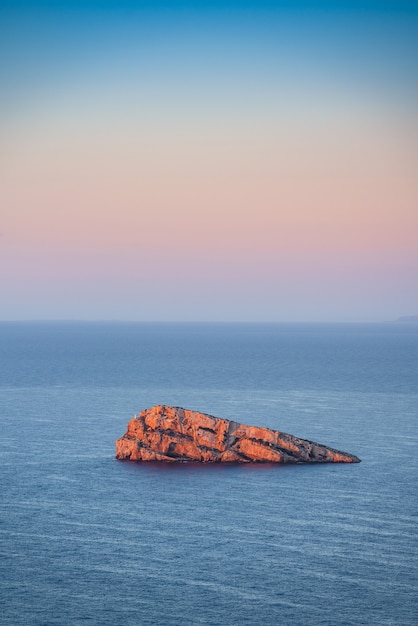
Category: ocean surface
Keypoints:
(86, 539)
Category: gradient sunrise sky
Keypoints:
(208, 161)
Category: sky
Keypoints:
(208, 161)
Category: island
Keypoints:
(407, 319)
(172, 434)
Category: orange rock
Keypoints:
(169, 434)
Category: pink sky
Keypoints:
(236, 206)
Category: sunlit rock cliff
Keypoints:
(171, 434)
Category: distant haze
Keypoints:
(240, 161)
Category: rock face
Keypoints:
(171, 434)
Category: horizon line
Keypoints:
(401, 319)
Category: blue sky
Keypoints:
(238, 160)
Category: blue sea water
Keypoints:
(86, 539)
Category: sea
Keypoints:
(88, 539)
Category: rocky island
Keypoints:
(173, 434)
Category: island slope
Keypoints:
(173, 434)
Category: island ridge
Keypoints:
(174, 434)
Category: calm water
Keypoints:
(87, 539)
